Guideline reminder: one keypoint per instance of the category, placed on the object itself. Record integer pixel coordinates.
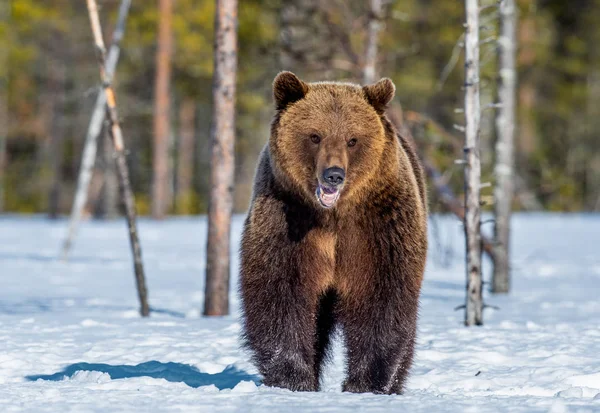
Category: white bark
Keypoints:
(474, 304)
(505, 129)
(117, 138)
(95, 127)
(369, 69)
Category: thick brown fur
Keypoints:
(359, 265)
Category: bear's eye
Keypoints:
(315, 138)
(352, 142)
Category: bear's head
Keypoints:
(328, 139)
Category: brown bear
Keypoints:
(336, 235)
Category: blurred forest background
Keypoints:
(49, 83)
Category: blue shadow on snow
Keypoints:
(173, 372)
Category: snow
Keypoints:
(71, 338)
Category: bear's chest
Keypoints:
(317, 257)
(330, 257)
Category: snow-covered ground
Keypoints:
(71, 338)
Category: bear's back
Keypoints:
(417, 168)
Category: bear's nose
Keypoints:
(334, 175)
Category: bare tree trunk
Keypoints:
(185, 158)
(222, 159)
(474, 305)
(107, 207)
(117, 138)
(58, 78)
(527, 129)
(370, 64)
(505, 129)
(161, 186)
(95, 127)
(4, 18)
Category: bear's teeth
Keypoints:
(327, 199)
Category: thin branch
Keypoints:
(451, 63)
(494, 307)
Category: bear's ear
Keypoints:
(380, 94)
(287, 88)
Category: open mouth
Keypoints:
(327, 196)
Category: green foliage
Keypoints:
(560, 63)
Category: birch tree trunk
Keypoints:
(505, 127)
(222, 159)
(117, 138)
(474, 304)
(95, 127)
(161, 193)
(185, 158)
(370, 64)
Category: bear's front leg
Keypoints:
(280, 329)
(379, 332)
(279, 305)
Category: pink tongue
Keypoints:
(328, 198)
